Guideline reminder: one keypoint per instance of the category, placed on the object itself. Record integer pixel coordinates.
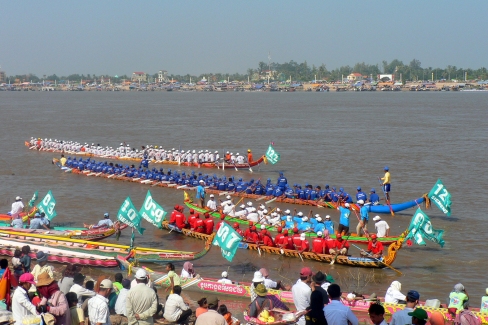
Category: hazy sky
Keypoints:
(120, 37)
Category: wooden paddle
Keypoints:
(386, 198)
(391, 267)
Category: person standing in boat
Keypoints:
(386, 183)
(363, 222)
(282, 181)
(382, 227)
(249, 156)
(344, 219)
(17, 208)
(200, 195)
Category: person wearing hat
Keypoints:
(265, 238)
(21, 304)
(222, 220)
(377, 314)
(98, 309)
(339, 246)
(382, 227)
(249, 156)
(374, 198)
(360, 195)
(199, 225)
(211, 317)
(81, 292)
(363, 221)
(252, 215)
(53, 300)
(192, 218)
(329, 225)
(257, 279)
(237, 229)
(142, 302)
(42, 266)
(224, 279)
(457, 299)
(328, 281)
(209, 224)
(264, 301)
(386, 183)
(104, 223)
(36, 222)
(402, 317)
(304, 244)
(336, 312)
(317, 280)
(270, 284)
(211, 203)
(344, 219)
(76, 313)
(17, 208)
(200, 193)
(319, 244)
(375, 248)
(419, 316)
(301, 292)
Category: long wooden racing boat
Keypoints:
(166, 162)
(397, 207)
(80, 233)
(142, 254)
(25, 215)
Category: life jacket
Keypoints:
(227, 156)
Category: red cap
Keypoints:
(253, 228)
(373, 236)
(177, 207)
(222, 216)
(285, 232)
(279, 230)
(192, 211)
(295, 230)
(250, 223)
(207, 215)
(236, 225)
(305, 271)
(264, 231)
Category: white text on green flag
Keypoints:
(421, 227)
(228, 240)
(441, 197)
(34, 199)
(272, 156)
(152, 211)
(129, 215)
(47, 206)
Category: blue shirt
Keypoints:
(364, 213)
(361, 196)
(344, 220)
(330, 226)
(282, 181)
(35, 223)
(304, 226)
(374, 198)
(18, 223)
(200, 192)
(105, 223)
(319, 227)
(338, 314)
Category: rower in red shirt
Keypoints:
(172, 218)
(199, 226)
(238, 230)
(304, 245)
(252, 236)
(375, 248)
(319, 244)
(279, 238)
(222, 217)
(192, 218)
(296, 238)
(180, 219)
(266, 239)
(339, 246)
(209, 224)
(287, 241)
(248, 230)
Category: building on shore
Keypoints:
(162, 76)
(139, 76)
(355, 76)
(3, 77)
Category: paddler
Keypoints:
(192, 218)
(104, 223)
(248, 230)
(360, 195)
(211, 204)
(199, 225)
(266, 239)
(319, 245)
(278, 240)
(374, 199)
(375, 248)
(282, 181)
(386, 183)
(249, 156)
(252, 236)
(17, 208)
(237, 229)
(304, 244)
(222, 220)
(339, 246)
(344, 219)
(180, 219)
(317, 224)
(363, 222)
(209, 224)
(329, 224)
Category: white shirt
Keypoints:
(253, 217)
(21, 305)
(98, 310)
(212, 205)
(225, 281)
(301, 298)
(81, 292)
(185, 274)
(17, 208)
(174, 307)
(338, 314)
(270, 284)
(381, 228)
(120, 304)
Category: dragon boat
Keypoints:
(25, 215)
(74, 246)
(223, 165)
(396, 207)
(73, 233)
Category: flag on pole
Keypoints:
(441, 197)
(421, 228)
(129, 215)
(228, 240)
(152, 211)
(271, 155)
(34, 199)
(47, 206)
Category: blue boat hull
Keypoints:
(396, 207)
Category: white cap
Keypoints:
(201, 181)
(211, 195)
(258, 277)
(141, 274)
(274, 214)
(319, 219)
(303, 236)
(262, 206)
(376, 218)
(216, 152)
(237, 154)
(242, 206)
(360, 202)
(319, 233)
(18, 198)
(265, 211)
(253, 209)
(106, 284)
(327, 217)
(224, 274)
(249, 203)
(346, 205)
(305, 219)
(350, 296)
(278, 210)
(300, 213)
(228, 197)
(287, 211)
(317, 215)
(263, 227)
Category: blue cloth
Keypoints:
(330, 226)
(35, 223)
(364, 213)
(105, 223)
(319, 227)
(304, 226)
(344, 220)
(361, 196)
(200, 192)
(18, 223)
(374, 198)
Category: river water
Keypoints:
(342, 139)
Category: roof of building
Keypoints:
(138, 73)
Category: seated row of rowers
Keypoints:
(285, 239)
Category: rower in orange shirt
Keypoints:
(375, 248)
(339, 246)
(249, 156)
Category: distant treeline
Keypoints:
(412, 71)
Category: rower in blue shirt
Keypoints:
(346, 197)
(250, 187)
(269, 188)
(314, 193)
(277, 192)
(329, 224)
(259, 188)
(241, 186)
(301, 193)
(231, 185)
(374, 199)
(222, 185)
(289, 192)
(307, 191)
(282, 181)
(360, 195)
(298, 217)
(317, 224)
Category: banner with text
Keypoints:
(421, 227)
(441, 197)
(272, 156)
(47, 206)
(228, 240)
(128, 214)
(152, 211)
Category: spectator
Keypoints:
(21, 304)
(175, 309)
(98, 310)
(315, 315)
(211, 317)
(53, 300)
(80, 291)
(419, 316)
(42, 266)
(401, 317)
(301, 292)
(173, 277)
(67, 280)
(26, 259)
(203, 307)
(377, 314)
(77, 315)
(336, 313)
(121, 305)
(142, 302)
(227, 314)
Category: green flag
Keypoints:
(421, 227)
(47, 206)
(129, 215)
(228, 240)
(441, 197)
(34, 199)
(272, 156)
(152, 211)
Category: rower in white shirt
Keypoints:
(17, 207)
(211, 204)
